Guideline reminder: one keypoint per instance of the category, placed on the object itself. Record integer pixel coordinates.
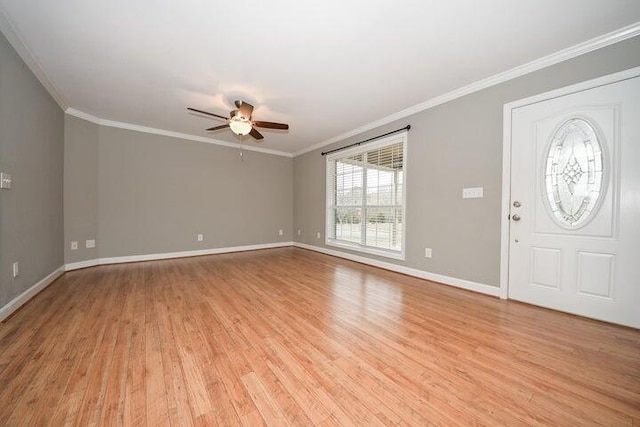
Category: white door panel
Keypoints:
(575, 191)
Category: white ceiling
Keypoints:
(325, 67)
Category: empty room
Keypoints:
(320, 213)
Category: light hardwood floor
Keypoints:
(292, 337)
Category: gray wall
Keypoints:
(31, 150)
(138, 193)
(80, 188)
(452, 146)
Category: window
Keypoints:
(366, 197)
(574, 173)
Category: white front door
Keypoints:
(574, 235)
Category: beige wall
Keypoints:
(452, 146)
(140, 193)
(31, 150)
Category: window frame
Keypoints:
(330, 239)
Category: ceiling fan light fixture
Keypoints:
(240, 121)
(239, 126)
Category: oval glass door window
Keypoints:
(573, 178)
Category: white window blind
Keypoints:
(366, 197)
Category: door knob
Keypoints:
(515, 217)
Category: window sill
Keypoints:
(371, 251)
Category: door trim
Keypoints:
(505, 223)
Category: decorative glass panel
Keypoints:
(573, 173)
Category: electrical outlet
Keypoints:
(200, 237)
(90, 244)
(280, 232)
(74, 246)
(427, 252)
(16, 269)
(299, 232)
(318, 235)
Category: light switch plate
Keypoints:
(5, 180)
(90, 243)
(473, 193)
(200, 237)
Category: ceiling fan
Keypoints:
(240, 121)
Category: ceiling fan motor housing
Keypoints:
(240, 121)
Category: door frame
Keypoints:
(505, 223)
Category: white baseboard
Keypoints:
(81, 264)
(21, 299)
(451, 281)
(18, 301)
(168, 255)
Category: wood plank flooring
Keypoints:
(292, 337)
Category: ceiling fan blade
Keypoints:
(244, 109)
(271, 125)
(218, 127)
(254, 133)
(207, 113)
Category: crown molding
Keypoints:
(599, 42)
(84, 116)
(596, 43)
(129, 126)
(17, 42)
(14, 38)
